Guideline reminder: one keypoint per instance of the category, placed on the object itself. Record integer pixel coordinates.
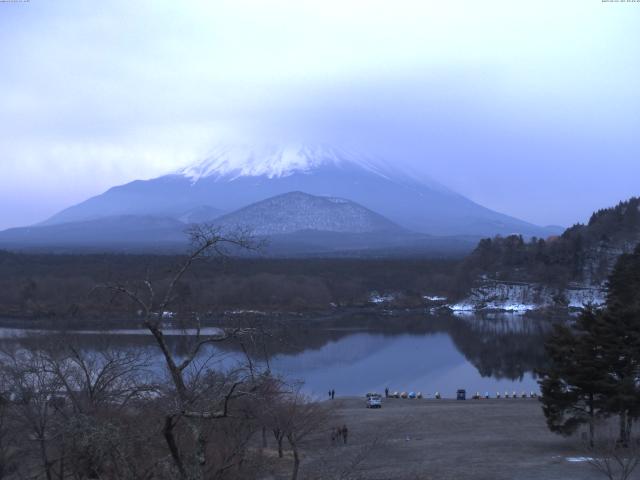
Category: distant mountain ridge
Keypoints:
(234, 177)
(294, 224)
(118, 231)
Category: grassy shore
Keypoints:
(445, 439)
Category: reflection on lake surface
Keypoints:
(353, 356)
(365, 362)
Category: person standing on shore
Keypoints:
(386, 392)
(333, 394)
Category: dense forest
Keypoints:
(55, 286)
(583, 253)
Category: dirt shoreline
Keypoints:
(498, 439)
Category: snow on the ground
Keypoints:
(522, 297)
(579, 297)
(378, 298)
(434, 298)
(579, 459)
(462, 307)
(510, 307)
(244, 312)
(504, 306)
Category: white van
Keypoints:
(374, 400)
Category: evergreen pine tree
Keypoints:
(594, 366)
(574, 380)
(619, 333)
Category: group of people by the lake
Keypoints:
(339, 433)
(332, 394)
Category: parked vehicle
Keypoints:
(374, 400)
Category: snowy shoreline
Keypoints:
(496, 296)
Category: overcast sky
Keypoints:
(531, 108)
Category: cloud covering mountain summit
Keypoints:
(271, 161)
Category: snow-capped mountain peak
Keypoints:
(231, 162)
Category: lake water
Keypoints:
(365, 362)
(491, 353)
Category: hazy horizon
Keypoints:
(531, 110)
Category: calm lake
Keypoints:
(489, 353)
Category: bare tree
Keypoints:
(8, 447)
(67, 411)
(300, 418)
(275, 419)
(93, 379)
(612, 459)
(32, 389)
(192, 404)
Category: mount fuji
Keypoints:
(234, 177)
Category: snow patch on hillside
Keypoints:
(578, 297)
(378, 298)
(434, 298)
(523, 297)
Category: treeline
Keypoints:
(583, 253)
(62, 285)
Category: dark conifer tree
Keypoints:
(594, 365)
(619, 332)
(573, 382)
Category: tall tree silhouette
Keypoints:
(574, 382)
(619, 333)
(594, 365)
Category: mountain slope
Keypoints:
(233, 178)
(200, 214)
(296, 211)
(108, 232)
